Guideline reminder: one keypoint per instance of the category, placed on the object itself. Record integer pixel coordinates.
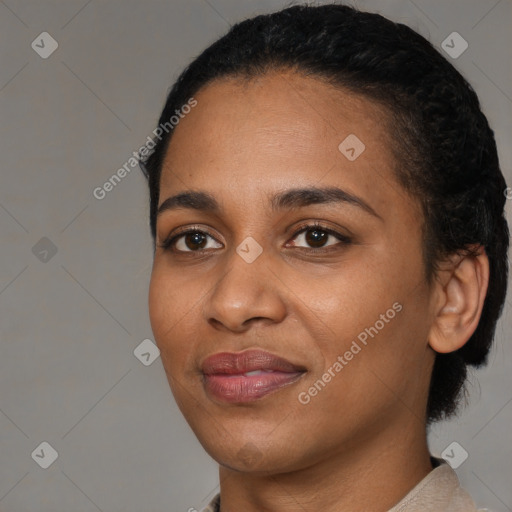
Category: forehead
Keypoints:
(269, 132)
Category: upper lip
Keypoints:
(237, 363)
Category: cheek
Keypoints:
(170, 299)
(163, 306)
(169, 303)
(375, 314)
(352, 298)
(159, 302)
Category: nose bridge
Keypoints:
(246, 290)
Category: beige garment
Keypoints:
(439, 491)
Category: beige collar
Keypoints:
(439, 491)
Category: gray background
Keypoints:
(71, 321)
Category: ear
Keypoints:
(460, 289)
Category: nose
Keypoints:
(244, 294)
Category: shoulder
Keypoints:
(439, 491)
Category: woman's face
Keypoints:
(344, 302)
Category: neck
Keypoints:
(375, 477)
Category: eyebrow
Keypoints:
(289, 199)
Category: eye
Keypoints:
(191, 240)
(317, 237)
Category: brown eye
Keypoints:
(318, 237)
(192, 240)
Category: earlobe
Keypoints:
(461, 294)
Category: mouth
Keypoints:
(247, 376)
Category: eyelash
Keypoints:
(169, 243)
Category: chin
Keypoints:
(246, 455)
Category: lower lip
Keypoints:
(240, 388)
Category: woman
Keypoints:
(330, 255)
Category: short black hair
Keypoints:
(445, 150)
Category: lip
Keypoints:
(225, 375)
